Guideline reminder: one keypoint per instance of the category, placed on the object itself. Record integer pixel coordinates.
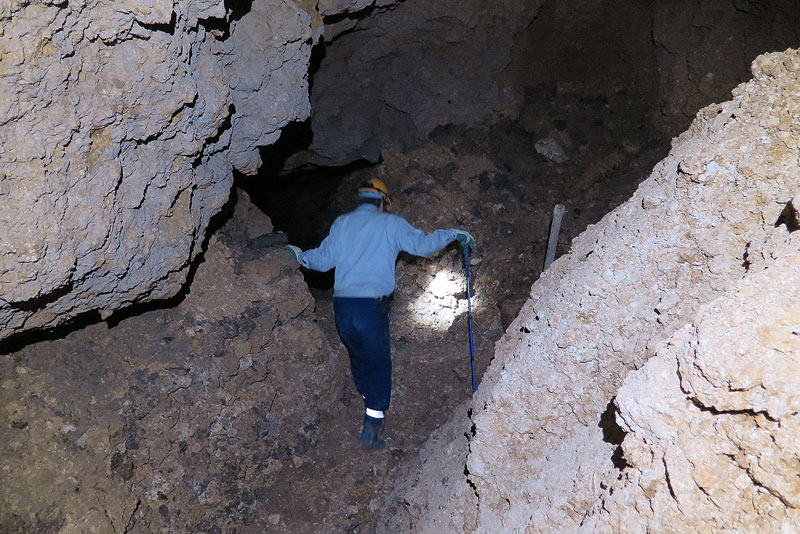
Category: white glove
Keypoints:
(295, 251)
(465, 238)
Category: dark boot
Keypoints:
(369, 436)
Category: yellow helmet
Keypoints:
(376, 186)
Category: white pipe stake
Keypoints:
(552, 242)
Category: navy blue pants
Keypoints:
(363, 325)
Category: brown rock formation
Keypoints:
(539, 457)
(410, 69)
(176, 420)
(120, 123)
(394, 76)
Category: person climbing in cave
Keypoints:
(362, 246)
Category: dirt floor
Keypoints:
(233, 411)
(496, 184)
(171, 422)
(338, 490)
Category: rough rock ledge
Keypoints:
(120, 125)
(686, 294)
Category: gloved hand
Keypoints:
(465, 238)
(295, 251)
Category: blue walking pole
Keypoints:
(469, 314)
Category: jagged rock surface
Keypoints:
(266, 66)
(119, 125)
(410, 69)
(542, 454)
(335, 8)
(712, 419)
(176, 420)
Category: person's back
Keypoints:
(365, 253)
(362, 246)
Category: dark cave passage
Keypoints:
(593, 117)
(303, 202)
(235, 393)
(583, 113)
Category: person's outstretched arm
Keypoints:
(417, 242)
(322, 258)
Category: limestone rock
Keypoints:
(115, 118)
(551, 149)
(543, 454)
(335, 7)
(694, 66)
(266, 66)
(410, 503)
(711, 420)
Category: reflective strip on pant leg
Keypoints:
(375, 414)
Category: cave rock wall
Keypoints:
(711, 421)
(702, 49)
(177, 420)
(698, 269)
(396, 74)
(120, 124)
(392, 76)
